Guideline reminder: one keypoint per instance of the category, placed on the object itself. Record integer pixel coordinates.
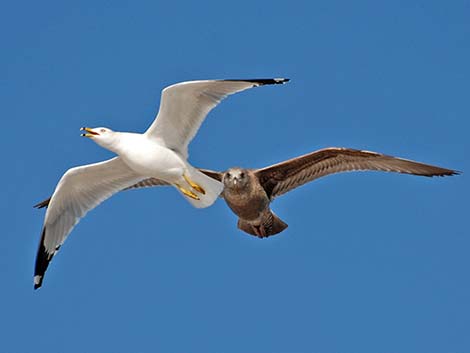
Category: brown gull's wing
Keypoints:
(214, 175)
(285, 176)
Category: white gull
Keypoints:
(161, 152)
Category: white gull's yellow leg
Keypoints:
(194, 185)
(187, 192)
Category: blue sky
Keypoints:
(371, 262)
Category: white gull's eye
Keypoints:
(103, 130)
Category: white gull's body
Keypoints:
(146, 156)
(161, 152)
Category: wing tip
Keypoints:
(280, 80)
(436, 171)
(264, 81)
(448, 172)
(43, 258)
(43, 204)
(38, 281)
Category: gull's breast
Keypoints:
(153, 160)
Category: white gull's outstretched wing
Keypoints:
(184, 106)
(79, 190)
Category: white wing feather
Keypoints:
(80, 190)
(184, 106)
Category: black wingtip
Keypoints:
(37, 282)
(265, 81)
(43, 204)
(42, 262)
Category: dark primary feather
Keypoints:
(42, 260)
(262, 81)
(285, 176)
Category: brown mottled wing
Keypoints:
(141, 184)
(285, 176)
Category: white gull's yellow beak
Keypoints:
(90, 131)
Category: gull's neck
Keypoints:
(119, 142)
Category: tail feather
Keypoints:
(270, 225)
(212, 187)
(247, 227)
(277, 225)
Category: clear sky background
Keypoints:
(371, 262)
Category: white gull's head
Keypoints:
(103, 136)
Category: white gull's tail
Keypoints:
(212, 187)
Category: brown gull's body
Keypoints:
(249, 192)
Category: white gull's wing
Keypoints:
(145, 183)
(184, 106)
(79, 190)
